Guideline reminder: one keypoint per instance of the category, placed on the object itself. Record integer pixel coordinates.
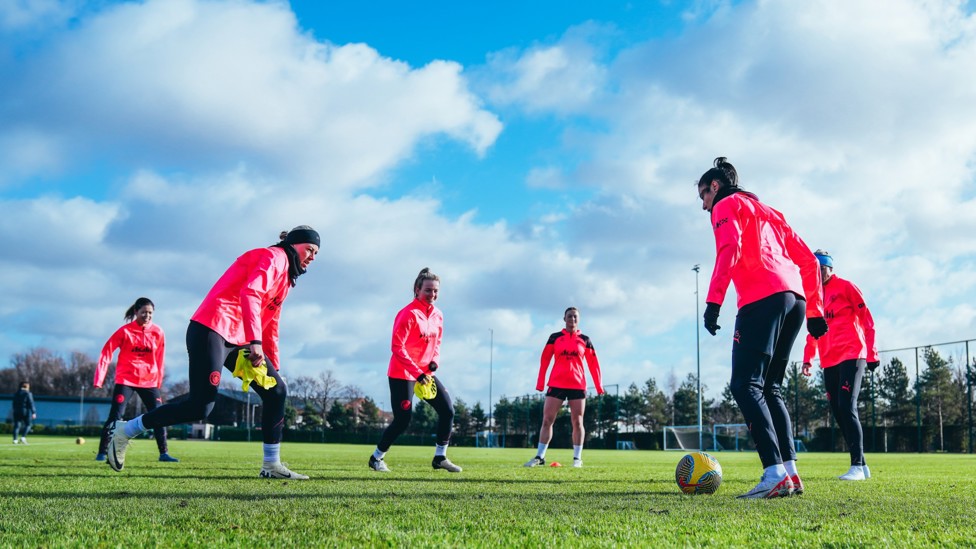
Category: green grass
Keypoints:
(53, 493)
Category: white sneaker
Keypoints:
(280, 470)
(16, 441)
(534, 462)
(117, 445)
(854, 473)
(577, 462)
(378, 465)
(770, 486)
(23, 440)
(866, 471)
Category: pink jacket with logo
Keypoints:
(141, 350)
(570, 349)
(850, 327)
(758, 251)
(417, 333)
(244, 305)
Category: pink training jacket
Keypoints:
(850, 327)
(417, 333)
(244, 305)
(141, 350)
(759, 252)
(570, 349)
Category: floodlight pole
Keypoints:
(491, 367)
(697, 268)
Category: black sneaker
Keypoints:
(441, 462)
(378, 465)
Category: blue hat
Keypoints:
(825, 259)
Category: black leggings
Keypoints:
(843, 383)
(209, 355)
(120, 396)
(401, 399)
(764, 335)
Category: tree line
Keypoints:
(940, 400)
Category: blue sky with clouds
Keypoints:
(535, 155)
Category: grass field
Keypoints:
(53, 493)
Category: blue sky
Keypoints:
(535, 155)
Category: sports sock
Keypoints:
(778, 471)
(272, 453)
(378, 454)
(134, 428)
(790, 468)
(440, 450)
(578, 451)
(542, 450)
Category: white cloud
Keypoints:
(564, 78)
(200, 85)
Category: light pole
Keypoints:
(491, 361)
(697, 268)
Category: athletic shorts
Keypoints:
(566, 394)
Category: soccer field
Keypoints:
(53, 493)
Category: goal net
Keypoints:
(684, 437)
(733, 437)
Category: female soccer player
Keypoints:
(846, 350)
(778, 283)
(570, 347)
(141, 345)
(241, 311)
(417, 332)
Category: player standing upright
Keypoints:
(24, 412)
(777, 281)
(416, 351)
(142, 346)
(567, 381)
(845, 352)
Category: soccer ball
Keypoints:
(698, 473)
(79, 440)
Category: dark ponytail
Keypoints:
(130, 313)
(723, 172)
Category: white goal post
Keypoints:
(683, 437)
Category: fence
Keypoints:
(933, 383)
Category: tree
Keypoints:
(684, 402)
(462, 419)
(654, 415)
(479, 421)
(631, 405)
(726, 411)
(340, 418)
(895, 390)
(803, 400)
(369, 414)
(939, 395)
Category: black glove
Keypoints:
(711, 317)
(432, 366)
(872, 366)
(422, 379)
(817, 326)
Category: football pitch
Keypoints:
(53, 494)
